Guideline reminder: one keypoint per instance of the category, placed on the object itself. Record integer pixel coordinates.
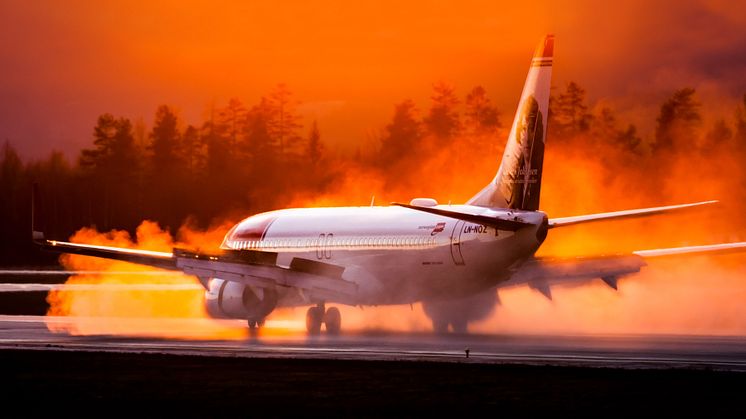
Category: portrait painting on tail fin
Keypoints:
(521, 181)
(517, 184)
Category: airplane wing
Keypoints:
(543, 273)
(634, 213)
(255, 268)
(31, 287)
(162, 260)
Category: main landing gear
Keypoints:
(255, 324)
(331, 317)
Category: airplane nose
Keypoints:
(253, 228)
(229, 238)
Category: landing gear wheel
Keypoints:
(333, 321)
(314, 317)
(459, 326)
(255, 323)
(440, 326)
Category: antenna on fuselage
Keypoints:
(372, 200)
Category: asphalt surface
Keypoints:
(58, 364)
(630, 352)
(283, 372)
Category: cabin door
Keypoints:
(456, 254)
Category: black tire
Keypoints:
(440, 326)
(333, 321)
(314, 317)
(459, 326)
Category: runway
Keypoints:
(617, 351)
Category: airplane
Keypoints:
(444, 256)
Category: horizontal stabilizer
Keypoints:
(693, 250)
(498, 223)
(635, 213)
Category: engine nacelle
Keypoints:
(232, 300)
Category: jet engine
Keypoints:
(233, 300)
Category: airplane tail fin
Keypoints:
(518, 181)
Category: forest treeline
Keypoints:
(244, 159)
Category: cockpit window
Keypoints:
(252, 229)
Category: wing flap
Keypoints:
(269, 276)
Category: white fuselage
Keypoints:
(395, 255)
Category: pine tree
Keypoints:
(112, 168)
(678, 122)
(315, 148)
(284, 122)
(569, 113)
(192, 149)
(11, 178)
(718, 136)
(166, 138)
(740, 134)
(443, 120)
(605, 131)
(230, 121)
(481, 116)
(402, 135)
(261, 146)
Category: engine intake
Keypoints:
(232, 300)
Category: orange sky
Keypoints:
(64, 63)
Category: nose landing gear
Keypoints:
(318, 314)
